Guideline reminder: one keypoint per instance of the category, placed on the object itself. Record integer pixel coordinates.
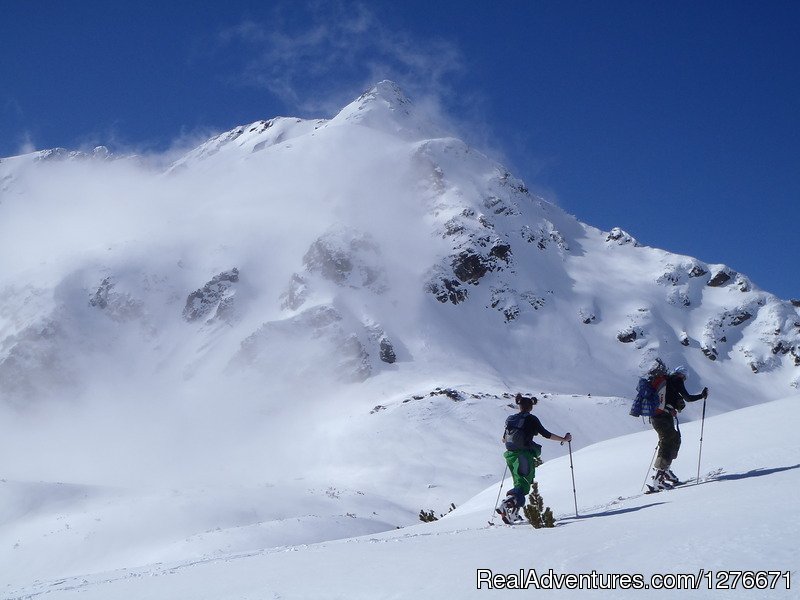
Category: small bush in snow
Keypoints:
(536, 513)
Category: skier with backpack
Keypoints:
(522, 455)
(661, 395)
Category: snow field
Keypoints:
(742, 516)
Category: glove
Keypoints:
(568, 436)
(705, 393)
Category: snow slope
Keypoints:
(742, 516)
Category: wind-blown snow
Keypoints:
(308, 330)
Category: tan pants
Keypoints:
(669, 440)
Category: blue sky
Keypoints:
(679, 122)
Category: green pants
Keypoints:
(522, 464)
(669, 440)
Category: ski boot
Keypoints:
(514, 516)
(659, 481)
(508, 510)
(670, 477)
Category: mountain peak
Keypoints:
(386, 107)
(387, 92)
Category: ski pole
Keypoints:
(652, 460)
(699, 454)
(572, 468)
(500, 491)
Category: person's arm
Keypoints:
(681, 389)
(550, 436)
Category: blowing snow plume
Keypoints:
(334, 265)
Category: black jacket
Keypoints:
(520, 429)
(676, 394)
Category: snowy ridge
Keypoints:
(247, 139)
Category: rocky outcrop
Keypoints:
(697, 271)
(587, 315)
(296, 294)
(343, 256)
(631, 334)
(739, 317)
(387, 353)
(679, 297)
(452, 394)
(499, 206)
(380, 340)
(468, 267)
(678, 279)
(117, 306)
(346, 257)
(717, 329)
(214, 300)
(621, 237)
(721, 277)
(783, 347)
(446, 289)
(743, 283)
(545, 236)
(512, 303)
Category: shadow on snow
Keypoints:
(609, 513)
(752, 473)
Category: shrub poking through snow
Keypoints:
(427, 516)
(537, 514)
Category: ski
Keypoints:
(654, 490)
(514, 524)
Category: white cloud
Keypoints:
(338, 51)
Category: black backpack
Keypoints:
(514, 434)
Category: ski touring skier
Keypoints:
(672, 400)
(522, 455)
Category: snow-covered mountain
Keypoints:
(320, 321)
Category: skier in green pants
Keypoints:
(521, 455)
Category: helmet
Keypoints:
(681, 370)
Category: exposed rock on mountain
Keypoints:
(621, 237)
(347, 258)
(721, 277)
(216, 296)
(117, 306)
